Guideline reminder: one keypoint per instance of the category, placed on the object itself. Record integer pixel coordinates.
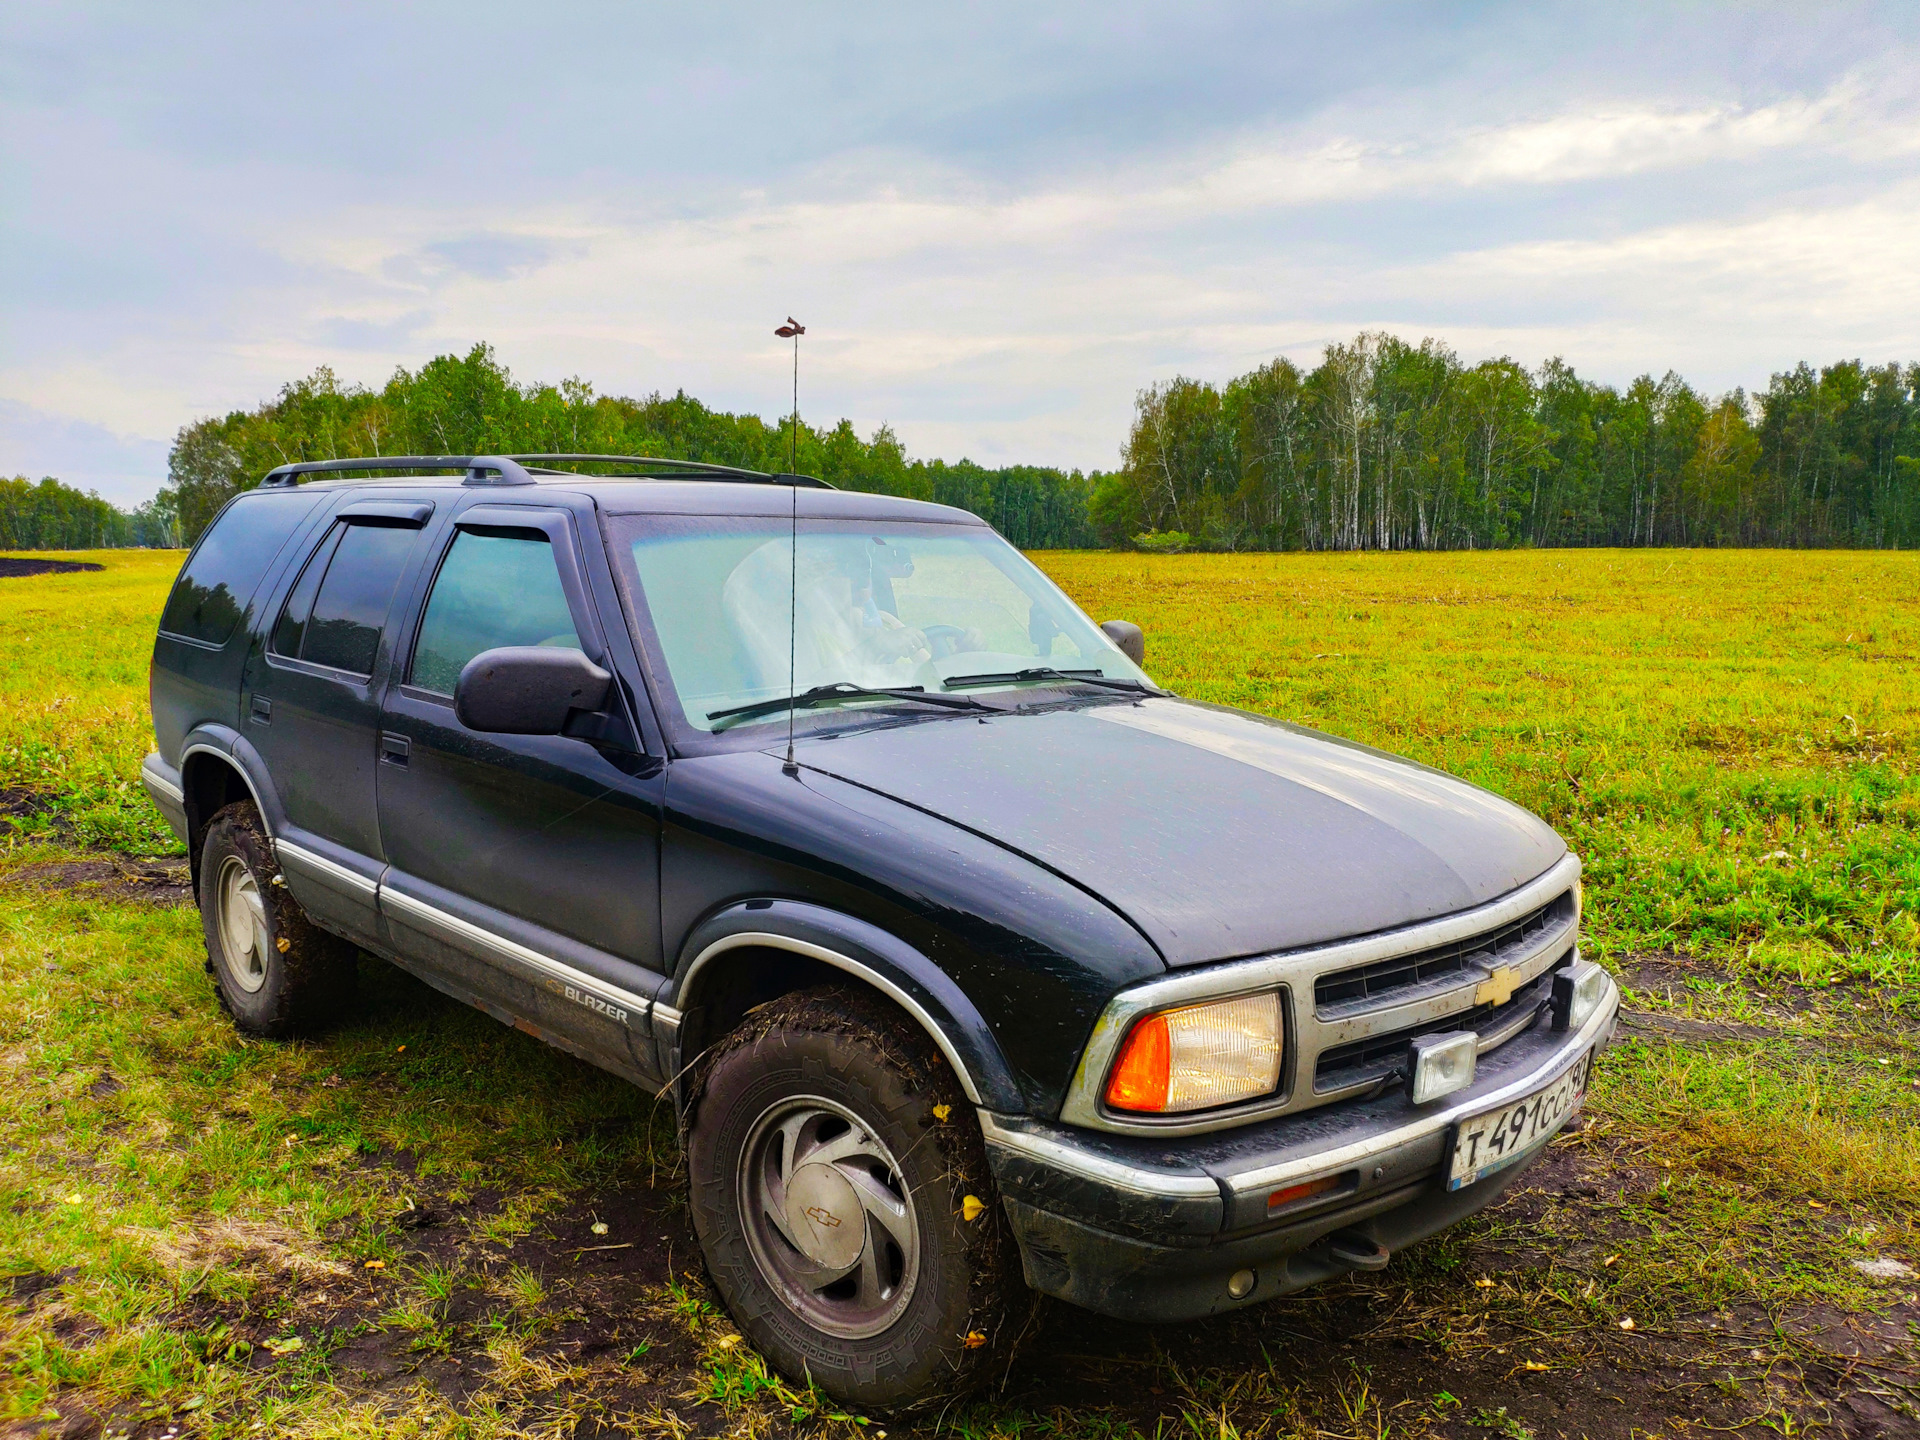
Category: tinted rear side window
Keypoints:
(334, 615)
(210, 598)
(291, 631)
(493, 589)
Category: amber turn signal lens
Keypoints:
(1197, 1057)
(1144, 1069)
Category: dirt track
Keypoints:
(13, 567)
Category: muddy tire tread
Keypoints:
(999, 1305)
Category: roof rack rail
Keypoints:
(521, 469)
(696, 467)
(481, 469)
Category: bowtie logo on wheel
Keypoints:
(820, 1215)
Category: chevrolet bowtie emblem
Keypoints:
(1498, 987)
(820, 1215)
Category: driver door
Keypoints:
(524, 868)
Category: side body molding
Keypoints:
(866, 952)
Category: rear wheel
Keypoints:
(842, 1199)
(276, 972)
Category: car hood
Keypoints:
(1218, 833)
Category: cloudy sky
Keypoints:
(998, 222)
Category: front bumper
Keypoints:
(1152, 1229)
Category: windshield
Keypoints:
(882, 605)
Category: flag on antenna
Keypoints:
(792, 328)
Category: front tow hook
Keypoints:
(1352, 1248)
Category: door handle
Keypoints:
(394, 748)
(261, 710)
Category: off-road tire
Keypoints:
(965, 1312)
(306, 977)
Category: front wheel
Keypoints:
(842, 1199)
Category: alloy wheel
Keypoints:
(828, 1217)
(243, 926)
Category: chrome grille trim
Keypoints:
(1495, 1024)
(1294, 972)
(1527, 960)
(1439, 969)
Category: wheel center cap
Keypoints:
(824, 1216)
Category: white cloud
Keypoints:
(1721, 230)
(1842, 273)
(125, 469)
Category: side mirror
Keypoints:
(1130, 638)
(528, 689)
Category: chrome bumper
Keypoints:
(1153, 1228)
(162, 784)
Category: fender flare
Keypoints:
(232, 748)
(868, 953)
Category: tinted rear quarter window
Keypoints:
(350, 607)
(291, 630)
(215, 586)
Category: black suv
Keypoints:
(970, 955)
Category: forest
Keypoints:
(52, 516)
(470, 405)
(1390, 446)
(1384, 445)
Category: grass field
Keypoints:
(1728, 739)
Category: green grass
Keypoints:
(74, 652)
(174, 1162)
(1727, 739)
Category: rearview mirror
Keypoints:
(528, 689)
(1130, 638)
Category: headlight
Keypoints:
(1198, 1056)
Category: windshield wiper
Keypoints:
(1047, 672)
(843, 690)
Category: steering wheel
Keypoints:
(943, 640)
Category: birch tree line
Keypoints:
(51, 516)
(471, 405)
(1383, 445)
(1391, 446)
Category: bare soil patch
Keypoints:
(16, 803)
(1410, 1341)
(1662, 972)
(1666, 975)
(1680, 1027)
(35, 812)
(13, 567)
(603, 1315)
(115, 877)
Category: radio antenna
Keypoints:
(793, 330)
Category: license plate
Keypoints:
(1498, 1138)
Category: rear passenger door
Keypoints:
(524, 868)
(308, 705)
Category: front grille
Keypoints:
(1379, 1056)
(1344, 992)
